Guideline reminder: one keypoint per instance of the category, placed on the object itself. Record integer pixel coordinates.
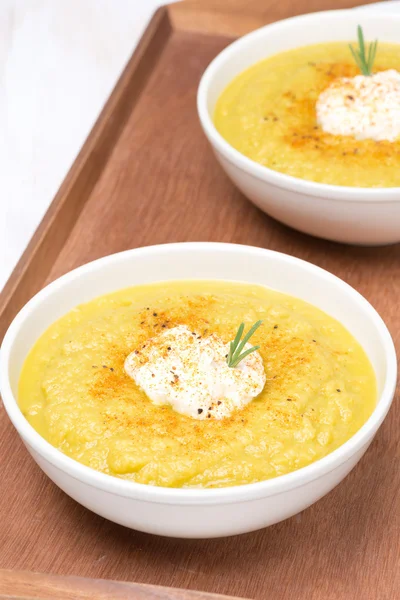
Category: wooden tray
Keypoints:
(147, 175)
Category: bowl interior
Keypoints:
(198, 261)
(329, 26)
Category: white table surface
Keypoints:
(59, 61)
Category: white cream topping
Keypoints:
(181, 368)
(365, 107)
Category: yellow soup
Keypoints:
(73, 389)
(268, 113)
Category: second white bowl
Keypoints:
(353, 215)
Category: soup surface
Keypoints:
(268, 114)
(75, 392)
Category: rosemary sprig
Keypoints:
(235, 350)
(364, 59)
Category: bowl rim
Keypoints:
(194, 496)
(261, 172)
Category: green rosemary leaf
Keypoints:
(371, 54)
(246, 339)
(244, 354)
(230, 354)
(237, 338)
(236, 347)
(361, 44)
(357, 59)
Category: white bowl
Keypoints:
(345, 214)
(198, 513)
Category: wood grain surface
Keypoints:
(159, 182)
(237, 17)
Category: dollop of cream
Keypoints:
(182, 368)
(364, 107)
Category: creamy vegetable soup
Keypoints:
(279, 114)
(144, 384)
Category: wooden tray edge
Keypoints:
(34, 266)
(25, 585)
